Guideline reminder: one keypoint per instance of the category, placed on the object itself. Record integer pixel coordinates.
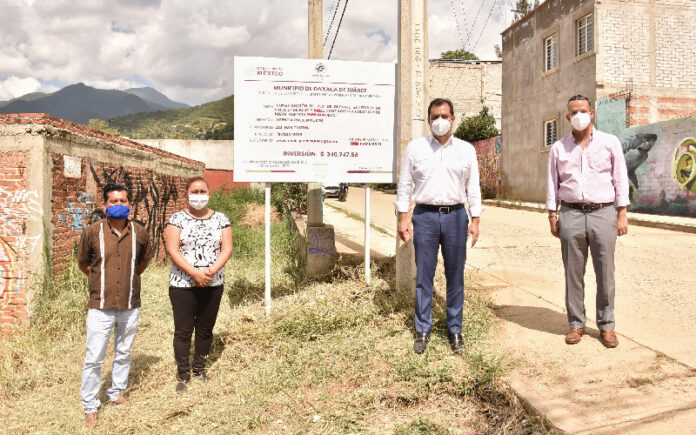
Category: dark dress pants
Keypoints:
(194, 308)
(430, 230)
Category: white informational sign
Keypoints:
(313, 120)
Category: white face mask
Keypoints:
(198, 201)
(580, 121)
(440, 127)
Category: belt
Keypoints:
(441, 208)
(586, 206)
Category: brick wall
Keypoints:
(51, 175)
(219, 178)
(17, 206)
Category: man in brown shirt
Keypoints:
(113, 253)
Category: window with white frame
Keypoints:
(585, 34)
(551, 52)
(550, 128)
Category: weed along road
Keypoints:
(646, 384)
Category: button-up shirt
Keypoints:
(114, 281)
(439, 175)
(594, 174)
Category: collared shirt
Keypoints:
(594, 174)
(439, 175)
(114, 281)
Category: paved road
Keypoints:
(647, 382)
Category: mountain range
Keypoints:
(79, 103)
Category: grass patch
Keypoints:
(334, 357)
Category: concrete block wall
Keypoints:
(470, 85)
(646, 50)
(51, 176)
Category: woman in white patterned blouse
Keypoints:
(198, 240)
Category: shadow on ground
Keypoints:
(538, 318)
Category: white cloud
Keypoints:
(14, 86)
(186, 49)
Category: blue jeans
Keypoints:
(430, 230)
(99, 326)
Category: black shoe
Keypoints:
(201, 376)
(181, 386)
(456, 342)
(421, 342)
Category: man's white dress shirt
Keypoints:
(439, 175)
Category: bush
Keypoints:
(479, 127)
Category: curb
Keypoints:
(632, 218)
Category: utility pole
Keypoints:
(411, 107)
(316, 51)
(322, 262)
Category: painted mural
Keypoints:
(661, 162)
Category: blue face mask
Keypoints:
(118, 211)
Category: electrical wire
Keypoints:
(345, 5)
(328, 32)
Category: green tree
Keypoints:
(498, 51)
(103, 126)
(523, 7)
(477, 127)
(458, 54)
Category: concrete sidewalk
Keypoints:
(647, 384)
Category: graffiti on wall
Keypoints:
(148, 199)
(684, 167)
(636, 149)
(661, 163)
(17, 207)
(78, 214)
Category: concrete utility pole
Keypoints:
(316, 51)
(412, 105)
(320, 238)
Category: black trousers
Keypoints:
(194, 308)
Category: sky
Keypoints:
(185, 49)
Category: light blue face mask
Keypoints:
(118, 211)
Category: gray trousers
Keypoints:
(596, 230)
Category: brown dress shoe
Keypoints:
(574, 335)
(90, 419)
(120, 401)
(608, 338)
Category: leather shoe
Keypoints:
(608, 338)
(574, 335)
(90, 419)
(456, 342)
(421, 342)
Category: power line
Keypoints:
(328, 32)
(468, 36)
(456, 22)
(345, 5)
(485, 24)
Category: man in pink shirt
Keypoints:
(587, 177)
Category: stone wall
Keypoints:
(51, 176)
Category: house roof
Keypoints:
(529, 14)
